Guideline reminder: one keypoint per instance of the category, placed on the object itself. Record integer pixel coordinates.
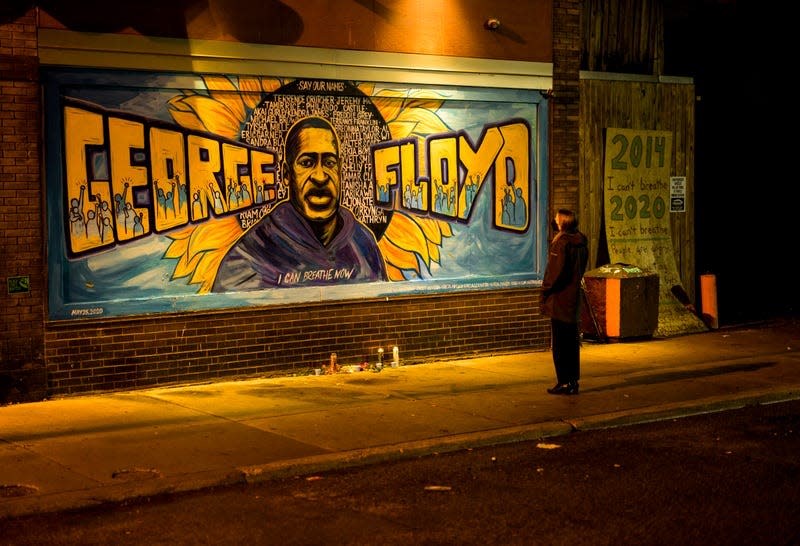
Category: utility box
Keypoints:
(621, 301)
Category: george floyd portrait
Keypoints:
(309, 238)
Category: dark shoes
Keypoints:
(564, 388)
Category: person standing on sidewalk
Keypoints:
(561, 287)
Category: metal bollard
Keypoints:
(708, 293)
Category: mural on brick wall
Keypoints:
(171, 192)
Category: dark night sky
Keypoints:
(745, 188)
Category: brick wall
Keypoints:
(21, 199)
(565, 105)
(131, 353)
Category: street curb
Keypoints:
(408, 450)
(117, 493)
(684, 409)
(252, 474)
(405, 450)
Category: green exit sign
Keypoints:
(19, 285)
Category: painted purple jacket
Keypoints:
(282, 251)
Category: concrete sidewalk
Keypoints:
(82, 451)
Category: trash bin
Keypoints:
(621, 301)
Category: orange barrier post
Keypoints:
(708, 293)
(613, 307)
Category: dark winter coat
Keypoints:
(566, 263)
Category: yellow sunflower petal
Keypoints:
(447, 229)
(186, 266)
(392, 93)
(394, 274)
(215, 234)
(425, 104)
(366, 88)
(433, 250)
(176, 249)
(395, 256)
(406, 233)
(271, 84)
(200, 249)
(435, 229)
(388, 107)
(206, 270)
(250, 89)
(218, 83)
(184, 115)
(225, 91)
(216, 117)
(401, 129)
(177, 103)
(431, 228)
(179, 244)
(428, 122)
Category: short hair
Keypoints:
(566, 220)
(292, 142)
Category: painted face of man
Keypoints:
(315, 175)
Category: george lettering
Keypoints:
(119, 190)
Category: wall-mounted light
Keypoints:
(492, 23)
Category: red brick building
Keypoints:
(511, 41)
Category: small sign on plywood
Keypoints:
(677, 194)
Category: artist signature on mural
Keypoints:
(88, 312)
